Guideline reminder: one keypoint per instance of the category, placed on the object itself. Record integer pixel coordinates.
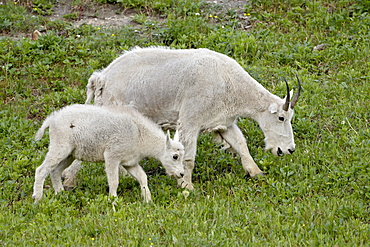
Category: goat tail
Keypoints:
(41, 131)
(94, 87)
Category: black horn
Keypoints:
(296, 95)
(287, 99)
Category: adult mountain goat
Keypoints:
(96, 134)
(195, 90)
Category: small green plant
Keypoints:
(146, 4)
(72, 16)
(14, 18)
(43, 7)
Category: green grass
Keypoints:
(320, 196)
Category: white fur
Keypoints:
(116, 136)
(194, 90)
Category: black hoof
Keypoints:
(67, 188)
(256, 177)
(259, 175)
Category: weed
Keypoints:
(43, 7)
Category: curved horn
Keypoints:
(296, 95)
(287, 99)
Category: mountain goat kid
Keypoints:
(115, 135)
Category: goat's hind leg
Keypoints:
(57, 173)
(51, 162)
(70, 175)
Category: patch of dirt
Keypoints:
(238, 6)
(91, 13)
(114, 15)
(108, 15)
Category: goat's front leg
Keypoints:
(112, 171)
(234, 137)
(188, 137)
(138, 173)
(70, 174)
(186, 181)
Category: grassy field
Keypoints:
(320, 196)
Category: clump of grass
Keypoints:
(43, 7)
(14, 18)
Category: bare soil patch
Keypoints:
(115, 15)
(109, 15)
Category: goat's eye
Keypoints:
(281, 119)
(175, 157)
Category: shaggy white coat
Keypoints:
(194, 90)
(116, 136)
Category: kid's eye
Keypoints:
(175, 157)
(281, 119)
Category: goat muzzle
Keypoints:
(279, 152)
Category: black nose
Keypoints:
(291, 151)
(182, 174)
(279, 152)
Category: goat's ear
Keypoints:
(176, 138)
(273, 108)
(168, 140)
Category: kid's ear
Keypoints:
(176, 138)
(168, 140)
(273, 108)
